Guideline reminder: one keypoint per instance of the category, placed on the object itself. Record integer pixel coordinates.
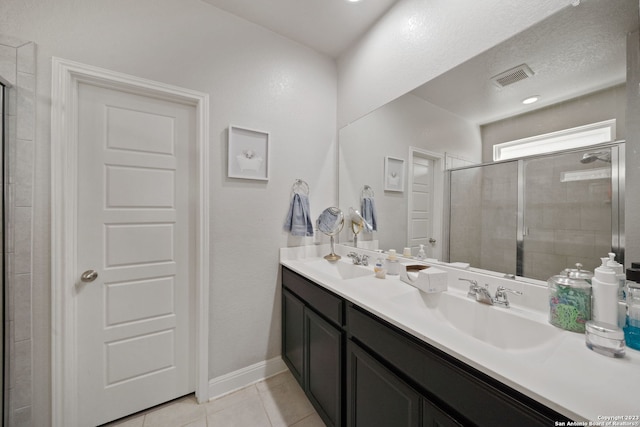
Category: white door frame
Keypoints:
(438, 195)
(66, 76)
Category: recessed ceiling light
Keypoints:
(530, 100)
(353, 1)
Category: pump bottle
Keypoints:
(605, 294)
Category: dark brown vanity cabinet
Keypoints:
(313, 343)
(361, 371)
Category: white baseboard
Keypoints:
(235, 380)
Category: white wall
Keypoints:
(418, 40)
(390, 131)
(256, 79)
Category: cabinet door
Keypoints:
(324, 368)
(376, 397)
(293, 334)
(432, 416)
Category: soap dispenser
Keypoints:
(392, 264)
(605, 294)
(620, 275)
(421, 255)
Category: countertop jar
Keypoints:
(570, 299)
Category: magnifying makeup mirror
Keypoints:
(330, 222)
(357, 224)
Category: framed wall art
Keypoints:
(248, 154)
(393, 174)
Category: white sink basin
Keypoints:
(505, 328)
(341, 269)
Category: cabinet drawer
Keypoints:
(476, 397)
(321, 300)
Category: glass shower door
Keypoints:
(483, 216)
(568, 211)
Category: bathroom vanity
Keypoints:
(366, 355)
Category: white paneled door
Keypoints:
(135, 252)
(421, 205)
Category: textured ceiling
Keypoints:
(578, 50)
(328, 26)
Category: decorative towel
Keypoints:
(298, 221)
(369, 212)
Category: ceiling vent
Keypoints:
(512, 76)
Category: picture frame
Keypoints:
(248, 154)
(393, 174)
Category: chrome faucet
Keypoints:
(501, 296)
(483, 296)
(359, 259)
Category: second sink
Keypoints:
(499, 327)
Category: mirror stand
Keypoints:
(332, 256)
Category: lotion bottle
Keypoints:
(392, 264)
(605, 294)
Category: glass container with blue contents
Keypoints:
(632, 322)
(570, 299)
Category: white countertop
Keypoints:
(562, 374)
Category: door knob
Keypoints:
(89, 276)
(432, 240)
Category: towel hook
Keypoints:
(367, 191)
(300, 185)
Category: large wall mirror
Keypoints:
(575, 63)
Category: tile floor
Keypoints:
(277, 401)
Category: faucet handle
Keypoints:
(365, 259)
(473, 287)
(501, 295)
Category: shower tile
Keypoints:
(25, 106)
(21, 394)
(574, 243)
(22, 304)
(21, 418)
(27, 58)
(22, 233)
(12, 149)
(9, 222)
(539, 240)
(10, 41)
(560, 216)
(541, 266)
(595, 216)
(8, 58)
(11, 354)
(23, 173)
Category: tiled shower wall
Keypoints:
(17, 66)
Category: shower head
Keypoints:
(592, 157)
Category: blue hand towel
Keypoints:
(369, 212)
(298, 221)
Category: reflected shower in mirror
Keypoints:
(536, 216)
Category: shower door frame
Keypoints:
(617, 198)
